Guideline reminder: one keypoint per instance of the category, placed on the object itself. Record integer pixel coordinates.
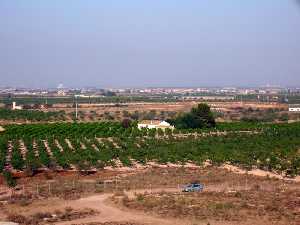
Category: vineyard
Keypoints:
(30, 115)
(88, 146)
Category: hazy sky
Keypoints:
(149, 43)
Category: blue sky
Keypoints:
(149, 43)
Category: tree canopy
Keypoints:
(199, 117)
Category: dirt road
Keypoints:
(110, 212)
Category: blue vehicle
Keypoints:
(194, 187)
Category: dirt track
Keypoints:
(110, 212)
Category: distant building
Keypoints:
(155, 124)
(61, 93)
(294, 108)
(207, 98)
(2, 129)
(16, 107)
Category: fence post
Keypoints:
(49, 188)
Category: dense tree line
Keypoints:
(109, 97)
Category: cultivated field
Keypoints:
(104, 173)
(89, 146)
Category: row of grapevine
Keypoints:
(3, 153)
(30, 115)
(115, 129)
(275, 148)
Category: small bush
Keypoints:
(140, 197)
(10, 181)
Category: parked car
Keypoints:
(194, 187)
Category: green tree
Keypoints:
(199, 117)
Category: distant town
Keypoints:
(263, 93)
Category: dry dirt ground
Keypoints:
(153, 196)
(95, 112)
(184, 106)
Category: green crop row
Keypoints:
(115, 129)
(30, 115)
(274, 148)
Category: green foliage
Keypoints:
(17, 160)
(30, 115)
(10, 181)
(3, 152)
(43, 155)
(109, 98)
(199, 117)
(267, 146)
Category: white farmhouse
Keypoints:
(2, 129)
(155, 124)
(294, 108)
(16, 107)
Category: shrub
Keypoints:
(10, 181)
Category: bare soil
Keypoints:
(153, 196)
(258, 206)
(95, 112)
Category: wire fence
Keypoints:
(73, 189)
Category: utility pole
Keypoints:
(76, 107)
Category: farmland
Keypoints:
(108, 173)
(104, 172)
(116, 111)
(30, 115)
(89, 146)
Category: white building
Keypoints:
(16, 107)
(155, 124)
(2, 129)
(294, 108)
(61, 93)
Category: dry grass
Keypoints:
(276, 207)
(110, 223)
(228, 197)
(68, 214)
(74, 186)
(210, 176)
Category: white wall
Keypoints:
(149, 126)
(294, 109)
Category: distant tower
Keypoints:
(60, 86)
(60, 90)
